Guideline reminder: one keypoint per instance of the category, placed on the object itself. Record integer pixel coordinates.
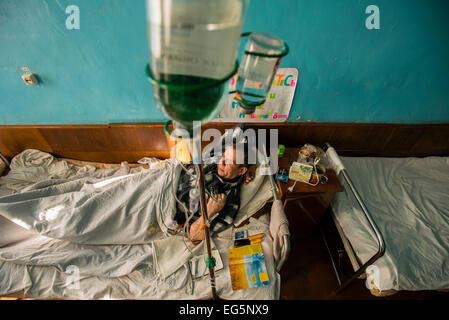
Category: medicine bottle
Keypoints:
(260, 62)
(194, 196)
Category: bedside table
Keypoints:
(306, 204)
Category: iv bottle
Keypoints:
(194, 196)
(257, 70)
(191, 43)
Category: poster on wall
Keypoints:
(275, 109)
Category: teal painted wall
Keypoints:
(95, 75)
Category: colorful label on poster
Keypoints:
(275, 109)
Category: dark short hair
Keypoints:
(246, 153)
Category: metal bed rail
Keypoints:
(341, 171)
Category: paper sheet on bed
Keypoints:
(177, 246)
(247, 267)
(408, 199)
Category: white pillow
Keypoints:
(253, 197)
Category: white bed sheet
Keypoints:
(40, 281)
(408, 199)
(49, 282)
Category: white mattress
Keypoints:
(408, 198)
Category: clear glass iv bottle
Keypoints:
(193, 47)
(259, 65)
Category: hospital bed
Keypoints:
(393, 220)
(48, 282)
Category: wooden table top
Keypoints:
(291, 155)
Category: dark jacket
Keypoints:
(214, 184)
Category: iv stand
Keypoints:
(199, 170)
(198, 165)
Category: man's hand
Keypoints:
(250, 174)
(215, 204)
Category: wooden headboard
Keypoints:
(114, 143)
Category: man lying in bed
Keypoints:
(222, 182)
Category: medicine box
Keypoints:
(300, 172)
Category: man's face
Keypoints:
(227, 167)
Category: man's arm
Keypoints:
(213, 208)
